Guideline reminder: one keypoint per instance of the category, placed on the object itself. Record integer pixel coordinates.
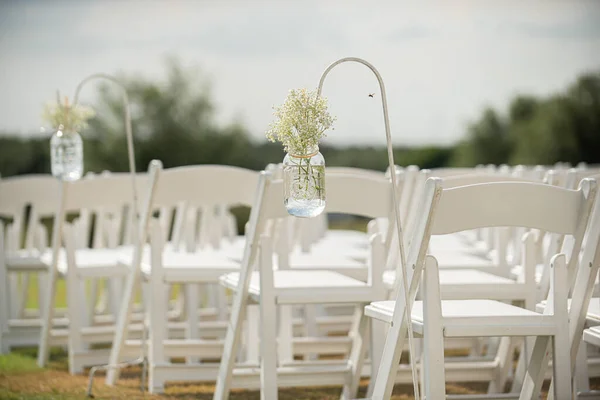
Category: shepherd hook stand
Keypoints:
(390, 152)
(135, 220)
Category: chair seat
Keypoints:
(205, 266)
(26, 260)
(332, 261)
(593, 311)
(467, 318)
(462, 284)
(303, 287)
(92, 262)
(592, 336)
(470, 284)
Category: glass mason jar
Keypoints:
(66, 155)
(304, 182)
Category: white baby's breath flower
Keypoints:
(300, 122)
(67, 117)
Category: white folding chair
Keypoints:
(193, 188)
(443, 211)
(18, 326)
(66, 261)
(584, 311)
(273, 288)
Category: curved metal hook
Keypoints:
(390, 152)
(128, 133)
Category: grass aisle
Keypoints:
(21, 379)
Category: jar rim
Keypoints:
(310, 152)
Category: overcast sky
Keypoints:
(441, 62)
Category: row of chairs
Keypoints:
(295, 281)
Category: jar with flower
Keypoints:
(66, 146)
(300, 123)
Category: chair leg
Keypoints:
(519, 374)
(157, 315)
(504, 358)
(582, 375)
(394, 343)
(252, 333)
(268, 324)
(75, 303)
(285, 350)
(221, 302)
(46, 314)
(13, 290)
(433, 338)
(232, 338)
(268, 340)
(115, 291)
(310, 323)
(378, 333)
(561, 365)
(534, 375)
(4, 348)
(356, 359)
(75, 340)
(561, 350)
(192, 301)
(42, 286)
(22, 305)
(123, 319)
(94, 290)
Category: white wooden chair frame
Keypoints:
(259, 286)
(450, 214)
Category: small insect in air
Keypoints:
(371, 95)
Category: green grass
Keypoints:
(15, 363)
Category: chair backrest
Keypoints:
(106, 196)
(195, 198)
(112, 226)
(38, 192)
(508, 204)
(493, 237)
(365, 196)
(347, 194)
(206, 185)
(502, 204)
(307, 232)
(477, 178)
(99, 192)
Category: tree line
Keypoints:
(174, 121)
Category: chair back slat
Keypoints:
(529, 205)
(478, 178)
(373, 199)
(38, 191)
(106, 192)
(354, 171)
(196, 185)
